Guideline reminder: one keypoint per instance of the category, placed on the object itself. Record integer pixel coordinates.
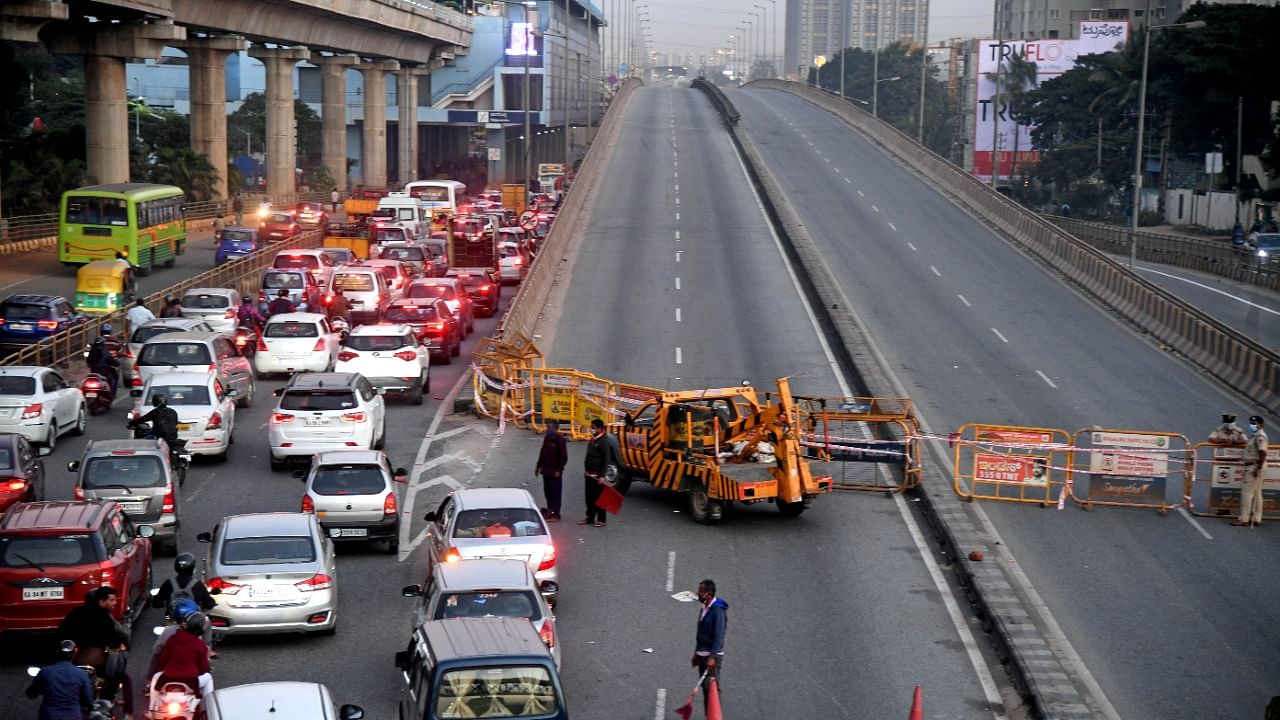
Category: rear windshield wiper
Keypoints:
(24, 559)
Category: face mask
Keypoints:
(1253, 427)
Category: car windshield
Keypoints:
(131, 471)
(286, 280)
(424, 290)
(97, 211)
(339, 256)
(146, 332)
(506, 603)
(17, 551)
(412, 313)
(489, 692)
(19, 311)
(498, 522)
(283, 550)
(318, 400)
(379, 342)
(309, 262)
(385, 234)
(174, 353)
(348, 480)
(206, 302)
(180, 394)
(17, 385)
(403, 253)
(291, 329)
(280, 218)
(237, 235)
(357, 282)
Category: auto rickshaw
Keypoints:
(102, 287)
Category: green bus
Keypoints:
(141, 220)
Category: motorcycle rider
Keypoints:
(95, 631)
(338, 306)
(183, 588)
(67, 690)
(185, 657)
(172, 308)
(113, 343)
(281, 305)
(248, 314)
(102, 362)
(182, 610)
(163, 419)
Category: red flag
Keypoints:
(713, 701)
(610, 500)
(917, 706)
(685, 711)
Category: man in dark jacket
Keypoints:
(67, 691)
(600, 454)
(95, 630)
(281, 305)
(551, 461)
(708, 649)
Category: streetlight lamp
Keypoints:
(1142, 116)
(875, 93)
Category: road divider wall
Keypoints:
(529, 302)
(1246, 365)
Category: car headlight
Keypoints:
(1262, 253)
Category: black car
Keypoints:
(484, 289)
(21, 471)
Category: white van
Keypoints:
(410, 213)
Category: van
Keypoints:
(137, 476)
(410, 213)
(366, 291)
(479, 667)
(196, 352)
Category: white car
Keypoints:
(297, 342)
(153, 328)
(512, 264)
(37, 403)
(216, 306)
(206, 410)
(325, 411)
(395, 272)
(391, 357)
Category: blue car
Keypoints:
(28, 319)
(236, 242)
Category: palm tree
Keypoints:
(1013, 85)
(188, 170)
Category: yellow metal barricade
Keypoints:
(1012, 463)
(1130, 468)
(840, 430)
(1213, 489)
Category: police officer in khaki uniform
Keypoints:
(1255, 466)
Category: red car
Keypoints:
(279, 226)
(311, 214)
(21, 471)
(482, 286)
(52, 553)
(431, 320)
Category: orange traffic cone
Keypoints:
(713, 701)
(917, 706)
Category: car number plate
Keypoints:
(263, 591)
(184, 426)
(314, 422)
(48, 593)
(133, 508)
(91, 394)
(20, 326)
(348, 532)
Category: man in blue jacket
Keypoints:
(708, 651)
(68, 694)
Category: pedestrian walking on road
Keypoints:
(600, 454)
(334, 197)
(708, 649)
(552, 459)
(237, 204)
(138, 314)
(1255, 467)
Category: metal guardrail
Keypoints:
(244, 275)
(1236, 359)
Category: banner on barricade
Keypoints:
(593, 397)
(1130, 468)
(1012, 464)
(556, 398)
(1219, 481)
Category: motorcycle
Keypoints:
(97, 393)
(246, 340)
(340, 326)
(172, 701)
(179, 459)
(101, 709)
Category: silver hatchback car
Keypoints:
(353, 494)
(311, 701)
(271, 573)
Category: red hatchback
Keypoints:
(21, 471)
(52, 553)
(279, 226)
(431, 320)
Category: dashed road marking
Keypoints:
(671, 571)
(893, 227)
(678, 316)
(913, 247)
(860, 194)
(999, 335)
(1047, 380)
(962, 299)
(873, 207)
(679, 356)
(935, 271)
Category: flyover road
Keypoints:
(1173, 617)
(1253, 310)
(679, 284)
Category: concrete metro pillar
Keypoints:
(282, 134)
(407, 99)
(373, 170)
(207, 60)
(333, 114)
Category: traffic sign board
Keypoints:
(528, 220)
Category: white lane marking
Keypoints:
(873, 207)
(1046, 379)
(826, 158)
(810, 143)
(677, 201)
(860, 194)
(836, 169)
(677, 177)
(935, 271)
(980, 668)
(966, 302)
(677, 217)
(677, 283)
(893, 227)
(677, 188)
(848, 181)
(1202, 286)
(677, 236)
(660, 707)
(671, 571)
(1002, 337)
(679, 318)
(912, 246)
(679, 356)
(1194, 523)
(677, 256)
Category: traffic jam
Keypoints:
(346, 331)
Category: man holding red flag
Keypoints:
(708, 651)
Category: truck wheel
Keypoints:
(790, 509)
(703, 508)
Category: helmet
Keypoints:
(158, 400)
(183, 609)
(67, 649)
(184, 563)
(195, 623)
(106, 328)
(282, 293)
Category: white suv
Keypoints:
(326, 411)
(390, 357)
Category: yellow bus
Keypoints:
(141, 220)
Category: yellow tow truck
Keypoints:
(362, 203)
(720, 445)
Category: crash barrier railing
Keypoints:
(1234, 358)
(840, 430)
(1211, 256)
(531, 299)
(245, 275)
(1218, 479)
(726, 109)
(1011, 463)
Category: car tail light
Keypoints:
(281, 418)
(78, 492)
(408, 355)
(262, 296)
(15, 484)
(389, 505)
(135, 381)
(1, 322)
(213, 367)
(437, 326)
(548, 633)
(319, 581)
(168, 505)
(230, 314)
(319, 346)
(308, 505)
(222, 586)
(47, 324)
(328, 299)
(452, 555)
(548, 560)
(355, 417)
(517, 260)
(262, 345)
(126, 352)
(32, 411)
(215, 421)
(108, 574)
(484, 289)
(346, 355)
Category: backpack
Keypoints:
(181, 592)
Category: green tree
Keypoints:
(187, 169)
(251, 117)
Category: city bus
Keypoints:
(141, 220)
(438, 194)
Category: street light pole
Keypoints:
(844, 42)
(924, 78)
(773, 54)
(564, 84)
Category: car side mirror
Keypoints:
(136, 392)
(204, 537)
(74, 466)
(299, 474)
(146, 531)
(402, 660)
(277, 392)
(351, 712)
(430, 517)
(43, 451)
(411, 591)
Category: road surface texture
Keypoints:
(1174, 617)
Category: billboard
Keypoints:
(1053, 57)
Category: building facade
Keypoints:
(822, 27)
